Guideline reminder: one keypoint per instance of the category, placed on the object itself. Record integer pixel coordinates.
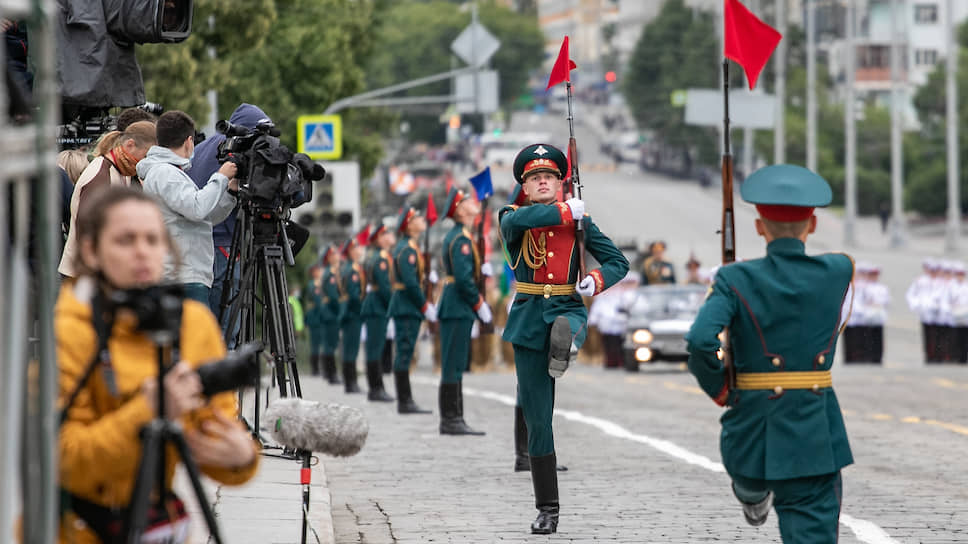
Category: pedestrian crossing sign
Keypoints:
(320, 136)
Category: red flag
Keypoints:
(363, 237)
(431, 209)
(561, 71)
(749, 41)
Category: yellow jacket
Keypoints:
(100, 449)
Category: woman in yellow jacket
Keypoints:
(123, 244)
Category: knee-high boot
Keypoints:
(374, 378)
(329, 369)
(451, 411)
(349, 378)
(405, 403)
(544, 477)
(522, 462)
(314, 364)
(387, 359)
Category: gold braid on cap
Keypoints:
(535, 252)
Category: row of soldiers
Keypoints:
(940, 298)
(864, 333)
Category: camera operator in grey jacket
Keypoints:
(189, 212)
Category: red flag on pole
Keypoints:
(561, 71)
(431, 209)
(748, 40)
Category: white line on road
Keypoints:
(864, 530)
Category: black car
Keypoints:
(659, 318)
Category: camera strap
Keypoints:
(102, 355)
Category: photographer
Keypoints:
(204, 165)
(189, 211)
(123, 245)
(118, 155)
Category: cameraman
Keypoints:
(189, 211)
(203, 165)
(123, 244)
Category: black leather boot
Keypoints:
(522, 462)
(374, 378)
(544, 476)
(451, 420)
(405, 403)
(329, 370)
(349, 378)
(387, 359)
(314, 364)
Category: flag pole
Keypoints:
(575, 181)
(728, 231)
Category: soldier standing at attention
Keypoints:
(655, 269)
(379, 277)
(783, 440)
(312, 297)
(353, 281)
(329, 313)
(547, 322)
(408, 306)
(460, 304)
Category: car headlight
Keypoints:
(643, 355)
(642, 336)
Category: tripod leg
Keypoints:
(151, 444)
(178, 439)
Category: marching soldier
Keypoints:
(655, 269)
(547, 323)
(408, 306)
(460, 304)
(379, 288)
(313, 306)
(329, 313)
(352, 280)
(783, 441)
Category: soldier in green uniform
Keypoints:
(408, 305)
(655, 269)
(547, 323)
(379, 288)
(312, 296)
(783, 440)
(329, 313)
(353, 280)
(460, 304)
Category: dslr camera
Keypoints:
(158, 311)
(270, 175)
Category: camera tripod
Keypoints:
(256, 249)
(155, 436)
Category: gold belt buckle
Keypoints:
(547, 290)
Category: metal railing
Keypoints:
(29, 228)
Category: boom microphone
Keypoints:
(333, 429)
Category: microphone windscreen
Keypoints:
(333, 429)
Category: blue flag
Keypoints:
(482, 183)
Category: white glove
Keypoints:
(487, 270)
(430, 312)
(577, 208)
(586, 287)
(484, 312)
(433, 277)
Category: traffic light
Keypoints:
(320, 210)
(610, 76)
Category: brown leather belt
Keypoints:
(778, 381)
(546, 289)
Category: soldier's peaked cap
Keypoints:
(404, 218)
(539, 158)
(786, 192)
(454, 197)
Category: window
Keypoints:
(925, 57)
(925, 14)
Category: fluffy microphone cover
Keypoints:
(333, 429)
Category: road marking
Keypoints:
(882, 417)
(685, 388)
(864, 530)
(949, 384)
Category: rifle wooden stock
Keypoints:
(729, 255)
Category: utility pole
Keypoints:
(779, 131)
(897, 211)
(811, 7)
(953, 230)
(850, 132)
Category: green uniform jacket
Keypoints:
(553, 223)
(783, 313)
(408, 299)
(329, 311)
(312, 296)
(352, 281)
(379, 276)
(460, 298)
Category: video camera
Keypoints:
(271, 174)
(158, 311)
(84, 126)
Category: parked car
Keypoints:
(659, 318)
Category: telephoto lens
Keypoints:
(238, 369)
